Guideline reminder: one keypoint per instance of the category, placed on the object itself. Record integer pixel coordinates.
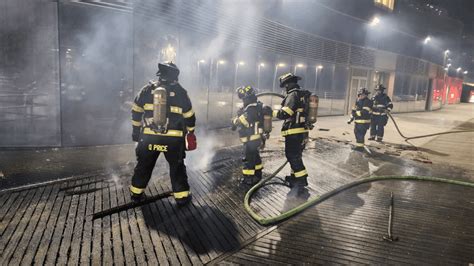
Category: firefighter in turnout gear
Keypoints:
(295, 127)
(250, 121)
(163, 122)
(361, 113)
(382, 105)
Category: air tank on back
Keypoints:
(160, 118)
(313, 109)
(267, 119)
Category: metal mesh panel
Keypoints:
(29, 74)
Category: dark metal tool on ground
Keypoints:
(390, 237)
(131, 205)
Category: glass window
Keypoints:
(385, 3)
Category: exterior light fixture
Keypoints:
(241, 63)
(447, 52)
(465, 72)
(281, 64)
(320, 67)
(262, 64)
(427, 39)
(299, 65)
(221, 62)
(458, 69)
(375, 21)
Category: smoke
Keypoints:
(205, 152)
(96, 52)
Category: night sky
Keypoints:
(462, 10)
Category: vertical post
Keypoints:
(235, 84)
(258, 77)
(217, 74)
(274, 78)
(316, 80)
(209, 84)
(273, 86)
(59, 76)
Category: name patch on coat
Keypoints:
(156, 147)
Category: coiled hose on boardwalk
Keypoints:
(275, 219)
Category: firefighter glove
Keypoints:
(191, 143)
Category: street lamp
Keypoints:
(297, 66)
(219, 62)
(375, 21)
(240, 63)
(202, 61)
(275, 74)
(258, 74)
(427, 39)
(318, 68)
(458, 69)
(465, 72)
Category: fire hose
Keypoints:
(314, 201)
(423, 136)
(298, 209)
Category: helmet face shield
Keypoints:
(288, 78)
(380, 88)
(245, 92)
(362, 91)
(167, 71)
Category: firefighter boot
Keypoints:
(184, 200)
(137, 194)
(296, 181)
(249, 180)
(137, 197)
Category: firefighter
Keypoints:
(163, 122)
(295, 127)
(382, 105)
(250, 121)
(361, 113)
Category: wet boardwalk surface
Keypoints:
(53, 223)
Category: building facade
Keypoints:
(71, 69)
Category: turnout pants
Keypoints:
(377, 126)
(252, 163)
(294, 154)
(359, 131)
(148, 150)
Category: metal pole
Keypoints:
(235, 85)
(273, 86)
(316, 81)
(199, 75)
(258, 77)
(274, 78)
(217, 74)
(209, 84)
